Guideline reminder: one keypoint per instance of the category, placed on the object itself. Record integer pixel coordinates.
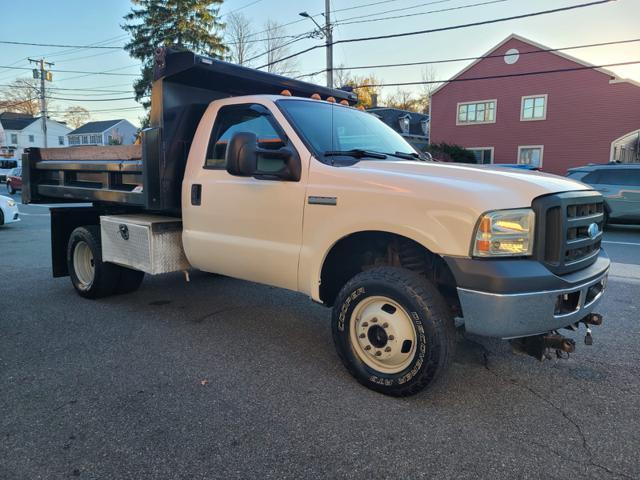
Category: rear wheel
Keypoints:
(393, 331)
(90, 276)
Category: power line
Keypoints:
(91, 99)
(506, 75)
(395, 10)
(443, 29)
(240, 8)
(355, 7)
(108, 72)
(8, 42)
(464, 59)
(415, 14)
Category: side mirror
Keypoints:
(242, 156)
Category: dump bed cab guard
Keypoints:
(150, 175)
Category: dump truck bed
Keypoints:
(149, 176)
(112, 174)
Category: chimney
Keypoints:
(374, 100)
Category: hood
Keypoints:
(491, 185)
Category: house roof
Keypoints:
(16, 121)
(391, 116)
(96, 127)
(614, 77)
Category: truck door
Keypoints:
(242, 226)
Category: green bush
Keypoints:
(451, 153)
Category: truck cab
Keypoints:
(253, 176)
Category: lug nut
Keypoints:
(365, 324)
(368, 347)
(378, 353)
(374, 320)
(385, 325)
(391, 337)
(362, 335)
(388, 349)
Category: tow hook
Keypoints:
(539, 346)
(559, 342)
(591, 319)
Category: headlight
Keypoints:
(505, 233)
(11, 203)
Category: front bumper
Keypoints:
(524, 313)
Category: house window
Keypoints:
(32, 138)
(531, 155)
(424, 125)
(14, 138)
(85, 139)
(405, 123)
(483, 155)
(61, 141)
(470, 113)
(534, 107)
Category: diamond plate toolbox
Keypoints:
(150, 243)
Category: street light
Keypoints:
(328, 36)
(306, 15)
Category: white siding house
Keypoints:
(107, 132)
(22, 131)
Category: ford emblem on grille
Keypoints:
(593, 231)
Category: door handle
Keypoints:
(196, 194)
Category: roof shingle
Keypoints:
(95, 127)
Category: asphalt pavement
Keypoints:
(221, 378)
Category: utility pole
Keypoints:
(327, 33)
(45, 76)
(329, 41)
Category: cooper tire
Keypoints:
(130, 280)
(90, 276)
(412, 305)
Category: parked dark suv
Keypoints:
(620, 185)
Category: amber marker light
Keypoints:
(285, 93)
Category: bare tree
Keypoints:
(276, 48)
(429, 74)
(239, 36)
(341, 76)
(403, 100)
(76, 116)
(22, 96)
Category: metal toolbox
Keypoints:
(151, 243)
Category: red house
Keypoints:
(553, 120)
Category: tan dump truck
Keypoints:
(244, 174)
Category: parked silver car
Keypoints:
(620, 185)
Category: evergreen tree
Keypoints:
(182, 24)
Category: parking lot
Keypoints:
(221, 378)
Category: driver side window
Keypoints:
(232, 119)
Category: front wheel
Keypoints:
(393, 331)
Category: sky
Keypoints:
(83, 22)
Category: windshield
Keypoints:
(332, 128)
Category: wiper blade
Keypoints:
(406, 155)
(356, 152)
